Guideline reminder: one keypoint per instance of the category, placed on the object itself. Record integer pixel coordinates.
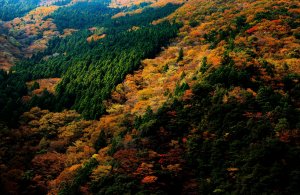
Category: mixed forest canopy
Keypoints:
(150, 97)
(100, 65)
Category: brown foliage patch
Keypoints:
(45, 84)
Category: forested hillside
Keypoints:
(154, 97)
(11, 9)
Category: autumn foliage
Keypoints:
(216, 111)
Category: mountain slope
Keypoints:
(217, 111)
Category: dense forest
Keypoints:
(11, 9)
(154, 97)
(11, 91)
(82, 15)
(130, 48)
(106, 61)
